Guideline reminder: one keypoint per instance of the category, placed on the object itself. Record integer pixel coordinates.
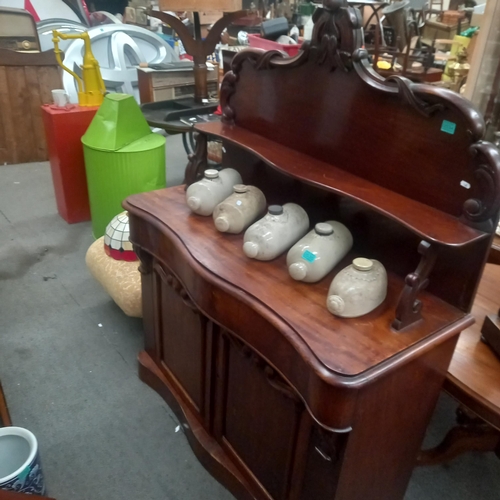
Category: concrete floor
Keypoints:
(68, 367)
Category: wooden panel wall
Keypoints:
(26, 81)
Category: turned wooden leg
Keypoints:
(4, 411)
(471, 434)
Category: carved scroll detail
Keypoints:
(198, 162)
(409, 307)
(487, 173)
(177, 286)
(272, 376)
(227, 89)
(336, 36)
(406, 92)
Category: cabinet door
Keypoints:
(261, 418)
(265, 428)
(322, 465)
(182, 339)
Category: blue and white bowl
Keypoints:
(20, 469)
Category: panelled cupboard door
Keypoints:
(182, 339)
(266, 429)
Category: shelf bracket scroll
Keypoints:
(409, 308)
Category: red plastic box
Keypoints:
(262, 43)
(64, 128)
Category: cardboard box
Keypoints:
(435, 29)
(476, 19)
(129, 15)
(207, 18)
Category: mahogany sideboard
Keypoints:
(280, 399)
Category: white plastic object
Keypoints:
(308, 29)
(203, 196)
(240, 209)
(319, 251)
(60, 98)
(276, 232)
(357, 289)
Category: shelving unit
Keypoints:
(279, 398)
(426, 221)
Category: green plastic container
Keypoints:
(122, 157)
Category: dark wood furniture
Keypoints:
(474, 381)
(162, 85)
(490, 331)
(280, 399)
(4, 411)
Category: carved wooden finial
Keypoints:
(333, 5)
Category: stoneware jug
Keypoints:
(276, 232)
(20, 469)
(203, 196)
(319, 251)
(357, 289)
(238, 211)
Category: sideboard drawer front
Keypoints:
(182, 340)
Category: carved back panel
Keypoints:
(327, 102)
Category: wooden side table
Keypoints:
(473, 380)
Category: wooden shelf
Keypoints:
(427, 222)
(359, 343)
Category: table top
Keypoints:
(52, 109)
(474, 372)
(155, 114)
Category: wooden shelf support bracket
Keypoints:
(409, 308)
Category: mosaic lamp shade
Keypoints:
(116, 239)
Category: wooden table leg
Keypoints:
(471, 434)
(4, 411)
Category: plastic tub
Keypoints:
(262, 43)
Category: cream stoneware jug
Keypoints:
(357, 289)
(276, 232)
(238, 211)
(319, 251)
(203, 196)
